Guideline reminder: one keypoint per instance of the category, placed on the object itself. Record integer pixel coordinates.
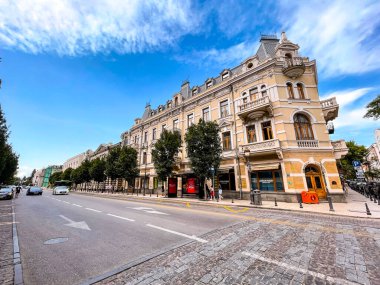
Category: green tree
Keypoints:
(66, 174)
(113, 169)
(10, 165)
(76, 176)
(97, 170)
(373, 109)
(204, 149)
(56, 176)
(165, 149)
(85, 172)
(355, 152)
(128, 164)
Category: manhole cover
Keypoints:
(56, 240)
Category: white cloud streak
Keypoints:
(74, 27)
(342, 35)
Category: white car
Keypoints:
(61, 190)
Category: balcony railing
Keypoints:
(330, 108)
(259, 147)
(307, 143)
(256, 108)
(293, 67)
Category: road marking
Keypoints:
(93, 210)
(77, 205)
(148, 210)
(79, 225)
(301, 270)
(142, 208)
(235, 211)
(177, 233)
(120, 217)
(188, 205)
(156, 212)
(66, 202)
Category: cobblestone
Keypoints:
(6, 243)
(275, 248)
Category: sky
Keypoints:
(76, 73)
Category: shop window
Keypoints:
(227, 141)
(251, 134)
(269, 180)
(303, 128)
(224, 109)
(289, 87)
(267, 130)
(301, 93)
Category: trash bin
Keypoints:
(257, 197)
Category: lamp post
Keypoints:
(239, 174)
(246, 155)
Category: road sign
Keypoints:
(356, 163)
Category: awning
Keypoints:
(268, 166)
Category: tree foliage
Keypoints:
(8, 159)
(97, 170)
(355, 152)
(56, 176)
(66, 175)
(373, 109)
(113, 170)
(127, 164)
(165, 149)
(204, 148)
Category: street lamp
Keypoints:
(246, 155)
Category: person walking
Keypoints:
(18, 190)
(220, 192)
(212, 193)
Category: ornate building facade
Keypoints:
(273, 126)
(76, 161)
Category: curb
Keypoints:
(18, 278)
(176, 201)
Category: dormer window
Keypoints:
(195, 92)
(152, 113)
(175, 101)
(209, 84)
(225, 75)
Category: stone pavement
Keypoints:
(275, 247)
(6, 242)
(355, 206)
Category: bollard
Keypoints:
(275, 202)
(330, 203)
(370, 197)
(150, 195)
(252, 197)
(374, 199)
(232, 199)
(300, 201)
(157, 193)
(367, 209)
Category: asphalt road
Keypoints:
(100, 234)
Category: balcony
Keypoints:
(330, 109)
(293, 67)
(255, 109)
(340, 148)
(258, 148)
(307, 143)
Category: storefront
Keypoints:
(267, 180)
(226, 178)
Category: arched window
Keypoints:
(301, 93)
(263, 90)
(289, 86)
(303, 128)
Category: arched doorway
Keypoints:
(314, 181)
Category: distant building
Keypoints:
(38, 177)
(76, 161)
(372, 159)
(48, 172)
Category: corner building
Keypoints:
(273, 126)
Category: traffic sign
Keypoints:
(356, 163)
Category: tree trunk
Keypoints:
(204, 189)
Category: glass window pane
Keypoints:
(253, 181)
(279, 184)
(318, 183)
(308, 182)
(251, 134)
(266, 182)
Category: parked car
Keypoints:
(61, 190)
(34, 191)
(6, 193)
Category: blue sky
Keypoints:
(76, 73)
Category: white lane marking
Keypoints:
(177, 233)
(66, 202)
(120, 217)
(156, 212)
(142, 208)
(148, 210)
(301, 270)
(77, 205)
(79, 225)
(93, 210)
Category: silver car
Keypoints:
(6, 193)
(64, 190)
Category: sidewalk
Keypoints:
(6, 243)
(355, 206)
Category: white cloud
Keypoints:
(342, 35)
(72, 27)
(223, 57)
(346, 97)
(24, 170)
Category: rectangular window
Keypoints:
(206, 114)
(175, 124)
(145, 137)
(253, 94)
(225, 76)
(227, 141)
(144, 161)
(190, 120)
(267, 130)
(224, 109)
(209, 84)
(154, 134)
(163, 128)
(251, 134)
(270, 180)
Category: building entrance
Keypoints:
(314, 181)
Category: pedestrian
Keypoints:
(220, 192)
(18, 190)
(212, 193)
